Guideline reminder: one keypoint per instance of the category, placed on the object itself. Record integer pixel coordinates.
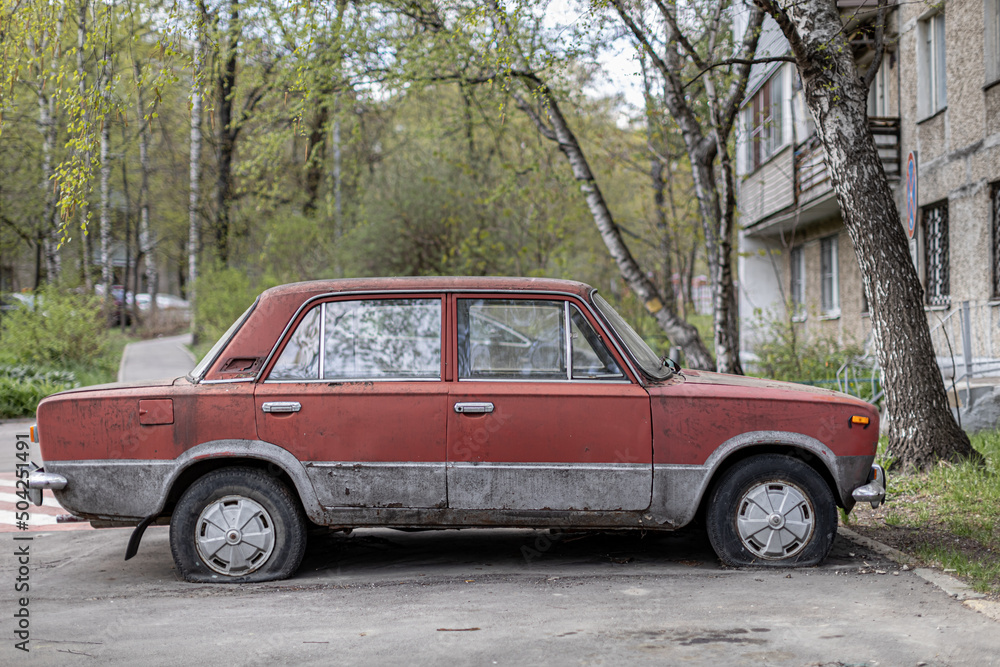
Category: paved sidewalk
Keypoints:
(156, 359)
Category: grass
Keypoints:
(948, 516)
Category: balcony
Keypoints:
(794, 188)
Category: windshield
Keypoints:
(645, 357)
(206, 361)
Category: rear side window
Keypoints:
(385, 339)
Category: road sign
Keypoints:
(911, 193)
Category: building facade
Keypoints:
(936, 96)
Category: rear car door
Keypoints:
(356, 392)
(543, 415)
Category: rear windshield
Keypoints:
(206, 361)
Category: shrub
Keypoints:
(222, 296)
(63, 328)
(786, 354)
(21, 389)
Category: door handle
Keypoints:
(473, 408)
(281, 406)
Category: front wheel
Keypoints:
(237, 525)
(772, 511)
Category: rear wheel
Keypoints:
(772, 511)
(237, 525)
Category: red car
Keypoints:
(445, 403)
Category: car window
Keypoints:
(526, 339)
(380, 339)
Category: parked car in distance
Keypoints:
(451, 403)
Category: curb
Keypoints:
(950, 585)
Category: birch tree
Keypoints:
(706, 123)
(921, 426)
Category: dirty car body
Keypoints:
(447, 403)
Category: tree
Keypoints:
(706, 123)
(523, 80)
(921, 426)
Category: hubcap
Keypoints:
(234, 536)
(775, 520)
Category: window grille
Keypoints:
(937, 288)
(996, 240)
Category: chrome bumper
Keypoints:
(38, 480)
(873, 491)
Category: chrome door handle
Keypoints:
(473, 408)
(281, 406)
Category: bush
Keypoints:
(785, 354)
(21, 388)
(63, 328)
(222, 296)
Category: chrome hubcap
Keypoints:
(775, 520)
(234, 536)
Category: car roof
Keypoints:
(428, 283)
(277, 305)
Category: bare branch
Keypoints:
(879, 45)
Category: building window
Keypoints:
(878, 95)
(995, 192)
(936, 270)
(830, 298)
(762, 122)
(991, 39)
(798, 283)
(931, 80)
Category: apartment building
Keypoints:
(934, 109)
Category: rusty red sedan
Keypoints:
(451, 403)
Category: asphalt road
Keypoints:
(484, 597)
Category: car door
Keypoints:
(543, 415)
(356, 392)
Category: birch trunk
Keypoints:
(147, 242)
(51, 231)
(680, 332)
(921, 426)
(106, 273)
(195, 181)
(81, 73)
(706, 130)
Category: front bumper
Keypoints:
(38, 480)
(872, 491)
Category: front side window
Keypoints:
(937, 281)
(830, 297)
(931, 80)
(385, 339)
(529, 339)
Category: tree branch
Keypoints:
(879, 45)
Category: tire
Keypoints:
(237, 525)
(771, 511)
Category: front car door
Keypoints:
(543, 415)
(357, 394)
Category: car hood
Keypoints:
(724, 379)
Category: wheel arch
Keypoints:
(271, 459)
(680, 492)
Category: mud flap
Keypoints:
(133, 542)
